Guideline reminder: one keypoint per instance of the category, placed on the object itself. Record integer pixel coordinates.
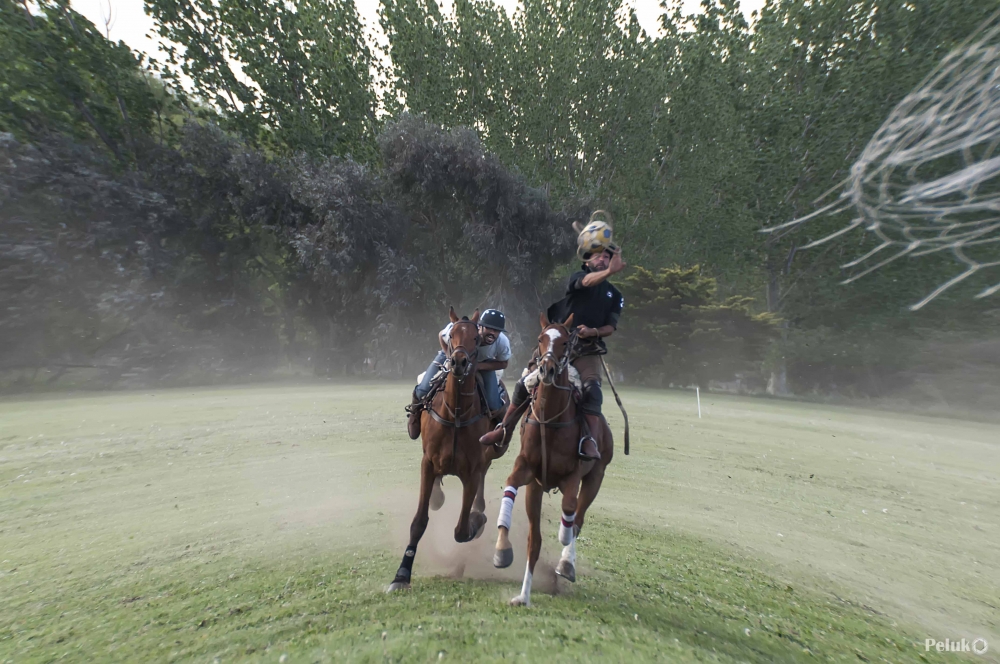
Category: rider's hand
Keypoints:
(585, 332)
(617, 264)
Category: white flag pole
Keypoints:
(697, 392)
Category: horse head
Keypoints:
(463, 347)
(554, 345)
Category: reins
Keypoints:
(562, 367)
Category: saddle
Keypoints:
(437, 384)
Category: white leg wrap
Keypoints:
(566, 528)
(506, 507)
(526, 584)
(569, 552)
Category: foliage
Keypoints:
(562, 91)
(217, 258)
(676, 330)
(59, 74)
(307, 230)
(75, 243)
(291, 76)
(707, 134)
(486, 237)
(138, 275)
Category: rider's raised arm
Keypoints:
(614, 267)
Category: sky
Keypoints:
(130, 23)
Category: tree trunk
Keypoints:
(777, 383)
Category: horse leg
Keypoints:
(503, 556)
(533, 506)
(469, 524)
(567, 537)
(588, 491)
(437, 494)
(417, 527)
(591, 483)
(480, 504)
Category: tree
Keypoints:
(291, 76)
(676, 330)
(478, 233)
(567, 92)
(59, 74)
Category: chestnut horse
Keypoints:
(550, 442)
(450, 430)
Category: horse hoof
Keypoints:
(437, 496)
(477, 521)
(566, 570)
(520, 600)
(398, 585)
(502, 558)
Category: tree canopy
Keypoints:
(282, 181)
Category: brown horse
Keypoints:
(550, 442)
(450, 429)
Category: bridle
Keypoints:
(561, 362)
(472, 357)
(455, 412)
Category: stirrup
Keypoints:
(579, 448)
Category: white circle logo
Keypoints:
(979, 646)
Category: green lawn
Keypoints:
(258, 523)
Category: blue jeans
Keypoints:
(425, 385)
(492, 389)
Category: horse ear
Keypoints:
(569, 322)
(544, 320)
(475, 317)
(452, 314)
(578, 227)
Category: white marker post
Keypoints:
(697, 393)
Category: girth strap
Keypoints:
(449, 423)
(552, 425)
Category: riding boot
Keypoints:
(413, 420)
(501, 435)
(588, 446)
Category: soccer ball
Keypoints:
(593, 240)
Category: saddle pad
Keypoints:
(531, 378)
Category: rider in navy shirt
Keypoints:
(596, 306)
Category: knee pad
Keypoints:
(520, 393)
(593, 398)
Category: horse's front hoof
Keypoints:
(398, 584)
(566, 570)
(502, 558)
(477, 521)
(437, 496)
(520, 600)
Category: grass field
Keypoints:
(264, 523)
